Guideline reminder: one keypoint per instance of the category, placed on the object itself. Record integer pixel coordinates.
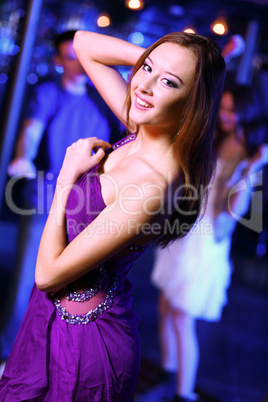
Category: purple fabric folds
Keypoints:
(52, 360)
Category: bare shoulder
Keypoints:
(148, 187)
(137, 182)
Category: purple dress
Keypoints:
(72, 354)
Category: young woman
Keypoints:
(193, 274)
(79, 339)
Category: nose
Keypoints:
(146, 85)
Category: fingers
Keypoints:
(102, 143)
(98, 146)
(81, 156)
(91, 142)
(100, 154)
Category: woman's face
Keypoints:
(228, 118)
(161, 85)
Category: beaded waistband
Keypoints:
(72, 295)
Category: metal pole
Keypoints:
(15, 99)
(245, 68)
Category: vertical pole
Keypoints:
(245, 68)
(15, 98)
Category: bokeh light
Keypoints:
(219, 26)
(136, 37)
(135, 4)
(103, 20)
(32, 78)
(189, 30)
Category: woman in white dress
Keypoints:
(194, 273)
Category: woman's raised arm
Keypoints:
(97, 53)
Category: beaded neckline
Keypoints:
(124, 141)
(118, 144)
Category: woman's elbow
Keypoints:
(40, 280)
(78, 40)
(43, 281)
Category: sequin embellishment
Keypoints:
(78, 319)
(125, 141)
(72, 295)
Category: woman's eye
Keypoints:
(146, 67)
(168, 82)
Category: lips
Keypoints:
(142, 103)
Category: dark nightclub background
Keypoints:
(234, 352)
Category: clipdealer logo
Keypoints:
(250, 186)
(255, 220)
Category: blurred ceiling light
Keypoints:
(189, 30)
(32, 78)
(103, 20)
(136, 37)
(135, 4)
(219, 26)
(176, 10)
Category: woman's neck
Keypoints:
(149, 140)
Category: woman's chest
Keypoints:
(121, 181)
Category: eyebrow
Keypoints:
(174, 75)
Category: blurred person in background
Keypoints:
(194, 273)
(60, 112)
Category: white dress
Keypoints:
(194, 272)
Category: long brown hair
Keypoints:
(193, 145)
